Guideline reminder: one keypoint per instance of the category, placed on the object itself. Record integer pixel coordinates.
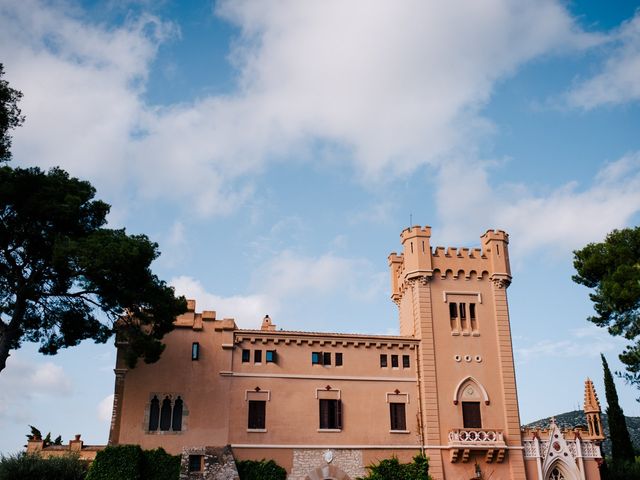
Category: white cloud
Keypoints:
(288, 277)
(588, 341)
(558, 220)
(393, 98)
(618, 81)
(22, 380)
(247, 310)
(105, 409)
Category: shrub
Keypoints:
(159, 465)
(392, 469)
(262, 470)
(35, 467)
(123, 462)
(130, 462)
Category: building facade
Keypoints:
(326, 405)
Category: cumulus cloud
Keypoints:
(23, 380)
(618, 81)
(561, 219)
(105, 409)
(284, 278)
(388, 98)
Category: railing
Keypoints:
(476, 437)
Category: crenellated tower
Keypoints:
(454, 300)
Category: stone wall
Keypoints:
(340, 464)
(218, 464)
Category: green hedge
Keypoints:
(392, 469)
(33, 467)
(620, 470)
(130, 462)
(262, 470)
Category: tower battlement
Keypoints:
(419, 259)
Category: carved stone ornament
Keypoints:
(501, 283)
(328, 456)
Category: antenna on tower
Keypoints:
(410, 220)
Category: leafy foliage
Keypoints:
(260, 470)
(621, 447)
(620, 470)
(37, 435)
(64, 278)
(392, 469)
(130, 462)
(33, 467)
(10, 116)
(612, 269)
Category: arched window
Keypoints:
(165, 414)
(176, 423)
(556, 474)
(154, 414)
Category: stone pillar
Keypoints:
(507, 371)
(420, 289)
(116, 415)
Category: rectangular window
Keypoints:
(330, 414)
(383, 360)
(316, 358)
(472, 316)
(406, 362)
(326, 360)
(338, 359)
(271, 356)
(398, 416)
(257, 356)
(246, 356)
(471, 415)
(394, 361)
(257, 409)
(195, 463)
(195, 351)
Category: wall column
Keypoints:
(507, 371)
(116, 414)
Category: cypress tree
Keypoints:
(621, 447)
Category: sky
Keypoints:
(276, 149)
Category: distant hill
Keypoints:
(577, 418)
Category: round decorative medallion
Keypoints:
(469, 391)
(556, 446)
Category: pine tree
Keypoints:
(621, 447)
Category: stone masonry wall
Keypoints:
(219, 464)
(342, 463)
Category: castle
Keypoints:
(326, 405)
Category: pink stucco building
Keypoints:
(325, 405)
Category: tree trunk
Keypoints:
(10, 333)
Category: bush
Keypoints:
(123, 462)
(620, 470)
(392, 469)
(34, 467)
(130, 462)
(159, 465)
(262, 470)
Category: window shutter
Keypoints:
(338, 414)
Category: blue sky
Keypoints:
(275, 150)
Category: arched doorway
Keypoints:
(327, 472)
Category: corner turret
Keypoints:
(416, 251)
(495, 246)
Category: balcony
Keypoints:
(463, 440)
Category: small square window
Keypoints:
(316, 358)
(338, 359)
(195, 463)
(271, 356)
(394, 361)
(326, 360)
(195, 351)
(246, 356)
(383, 360)
(406, 362)
(257, 356)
